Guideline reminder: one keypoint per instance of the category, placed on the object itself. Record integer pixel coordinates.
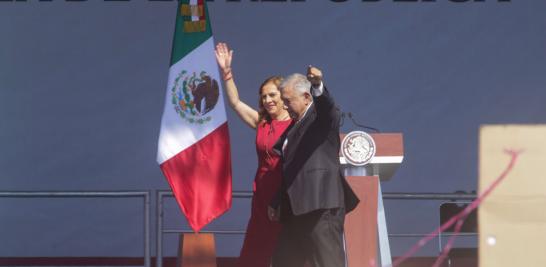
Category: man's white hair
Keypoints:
(298, 81)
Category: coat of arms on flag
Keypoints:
(193, 96)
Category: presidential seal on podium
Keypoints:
(358, 148)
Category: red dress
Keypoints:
(261, 233)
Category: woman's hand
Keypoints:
(273, 214)
(223, 57)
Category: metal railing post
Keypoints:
(147, 256)
(159, 229)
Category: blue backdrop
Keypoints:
(82, 87)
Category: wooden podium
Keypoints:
(366, 233)
(196, 250)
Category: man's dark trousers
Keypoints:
(315, 237)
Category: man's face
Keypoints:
(295, 101)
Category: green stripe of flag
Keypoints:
(186, 39)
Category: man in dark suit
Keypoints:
(314, 195)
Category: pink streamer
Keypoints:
(459, 218)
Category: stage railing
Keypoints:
(161, 194)
(145, 195)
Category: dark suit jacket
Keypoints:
(312, 177)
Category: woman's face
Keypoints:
(271, 99)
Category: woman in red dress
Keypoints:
(270, 121)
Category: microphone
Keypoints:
(350, 116)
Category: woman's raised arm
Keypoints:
(244, 111)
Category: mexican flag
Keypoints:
(193, 150)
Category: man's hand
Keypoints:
(273, 214)
(314, 75)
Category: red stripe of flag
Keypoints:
(200, 177)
